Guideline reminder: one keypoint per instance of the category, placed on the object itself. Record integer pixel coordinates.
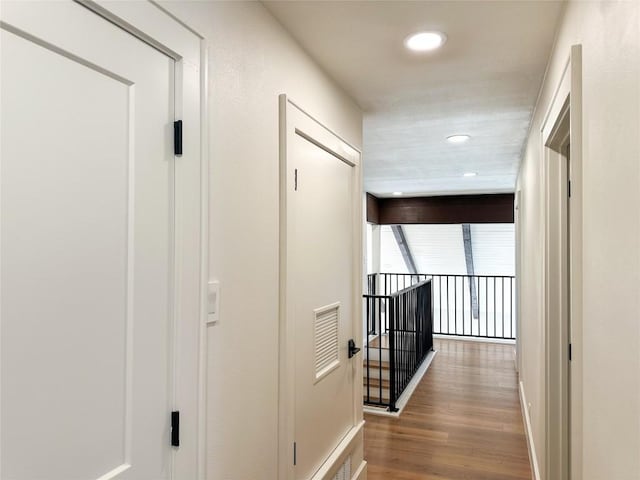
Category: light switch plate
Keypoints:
(213, 302)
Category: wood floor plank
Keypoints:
(463, 422)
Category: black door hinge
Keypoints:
(295, 179)
(177, 137)
(175, 429)
(569, 352)
(569, 188)
(295, 453)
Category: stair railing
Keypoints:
(481, 306)
(402, 337)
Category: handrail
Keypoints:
(440, 275)
(481, 306)
(395, 294)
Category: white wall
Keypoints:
(251, 60)
(493, 248)
(369, 248)
(610, 36)
(391, 259)
(437, 248)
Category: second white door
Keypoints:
(321, 199)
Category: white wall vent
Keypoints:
(327, 321)
(344, 472)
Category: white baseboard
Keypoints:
(533, 458)
(406, 395)
(338, 455)
(361, 473)
(475, 339)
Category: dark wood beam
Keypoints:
(373, 212)
(459, 209)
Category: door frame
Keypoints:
(517, 207)
(159, 28)
(328, 140)
(562, 274)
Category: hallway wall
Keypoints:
(251, 61)
(609, 32)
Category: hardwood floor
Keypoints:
(463, 422)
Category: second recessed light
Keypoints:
(458, 138)
(425, 41)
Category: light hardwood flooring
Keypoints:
(463, 422)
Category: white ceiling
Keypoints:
(484, 82)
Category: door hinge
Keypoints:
(175, 429)
(569, 352)
(295, 453)
(569, 188)
(295, 179)
(177, 137)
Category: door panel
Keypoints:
(323, 306)
(86, 248)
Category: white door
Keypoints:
(86, 248)
(321, 199)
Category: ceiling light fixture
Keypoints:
(470, 174)
(425, 41)
(458, 138)
(397, 194)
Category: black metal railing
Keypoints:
(402, 337)
(463, 305)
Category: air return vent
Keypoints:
(344, 473)
(326, 339)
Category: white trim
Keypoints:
(533, 459)
(153, 24)
(518, 264)
(328, 139)
(115, 472)
(576, 172)
(567, 96)
(204, 257)
(339, 452)
(562, 91)
(403, 400)
(556, 284)
(177, 19)
(361, 472)
(109, 12)
(503, 341)
(285, 368)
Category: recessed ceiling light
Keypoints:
(425, 41)
(397, 194)
(458, 138)
(470, 174)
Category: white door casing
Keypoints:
(320, 295)
(562, 272)
(96, 320)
